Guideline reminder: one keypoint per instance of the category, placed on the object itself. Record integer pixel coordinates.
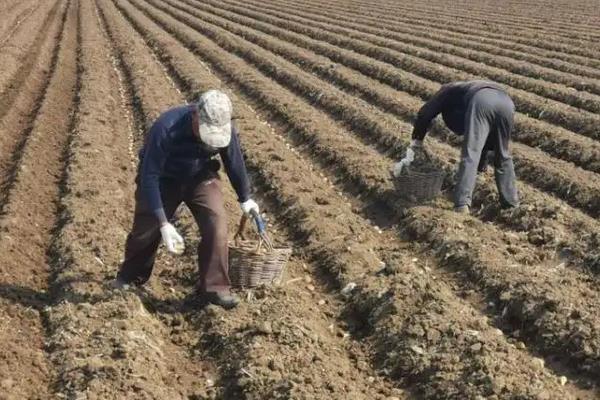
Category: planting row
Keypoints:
(19, 59)
(561, 21)
(29, 211)
(14, 17)
(535, 79)
(339, 104)
(283, 105)
(424, 63)
(559, 143)
(229, 348)
(349, 259)
(533, 44)
(434, 31)
(507, 28)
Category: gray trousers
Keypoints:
(488, 126)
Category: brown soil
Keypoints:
(31, 189)
(378, 301)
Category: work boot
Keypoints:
(462, 209)
(507, 206)
(223, 299)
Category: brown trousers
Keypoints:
(204, 198)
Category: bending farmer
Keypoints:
(483, 113)
(177, 165)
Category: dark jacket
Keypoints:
(172, 151)
(452, 101)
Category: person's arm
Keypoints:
(153, 162)
(235, 167)
(429, 111)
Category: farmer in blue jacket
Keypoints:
(178, 165)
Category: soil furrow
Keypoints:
(259, 347)
(303, 214)
(231, 66)
(543, 44)
(524, 16)
(29, 215)
(557, 41)
(381, 299)
(13, 19)
(475, 32)
(406, 108)
(18, 122)
(517, 20)
(562, 144)
(307, 370)
(424, 63)
(553, 178)
(434, 32)
(232, 347)
(412, 12)
(542, 216)
(540, 14)
(17, 63)
(386, 139)
(178, 373)
(121, 348)
(545, 82)
(488, 37)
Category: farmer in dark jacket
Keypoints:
(178, 165)
(483, 113)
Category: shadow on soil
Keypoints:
(24, 296)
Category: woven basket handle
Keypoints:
(427, 155)
(262, 232)
(239, 234)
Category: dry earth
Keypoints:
(497, 305)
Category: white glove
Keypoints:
(248, 206)
(398, 167)
(172, 240)
(408, 158)
(406, 161)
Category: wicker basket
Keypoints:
(253, 263)
(419, 187)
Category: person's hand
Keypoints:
(399, 166)
(249, 206)
(415, 145)
(172, 239)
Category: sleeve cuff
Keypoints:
(161, 216)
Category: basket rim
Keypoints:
(239, 245)
(411, 174)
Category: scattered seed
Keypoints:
(563, 380)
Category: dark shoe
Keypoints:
(508, 206)
(223, 299)
(462, 209)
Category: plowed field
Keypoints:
(496, 305)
